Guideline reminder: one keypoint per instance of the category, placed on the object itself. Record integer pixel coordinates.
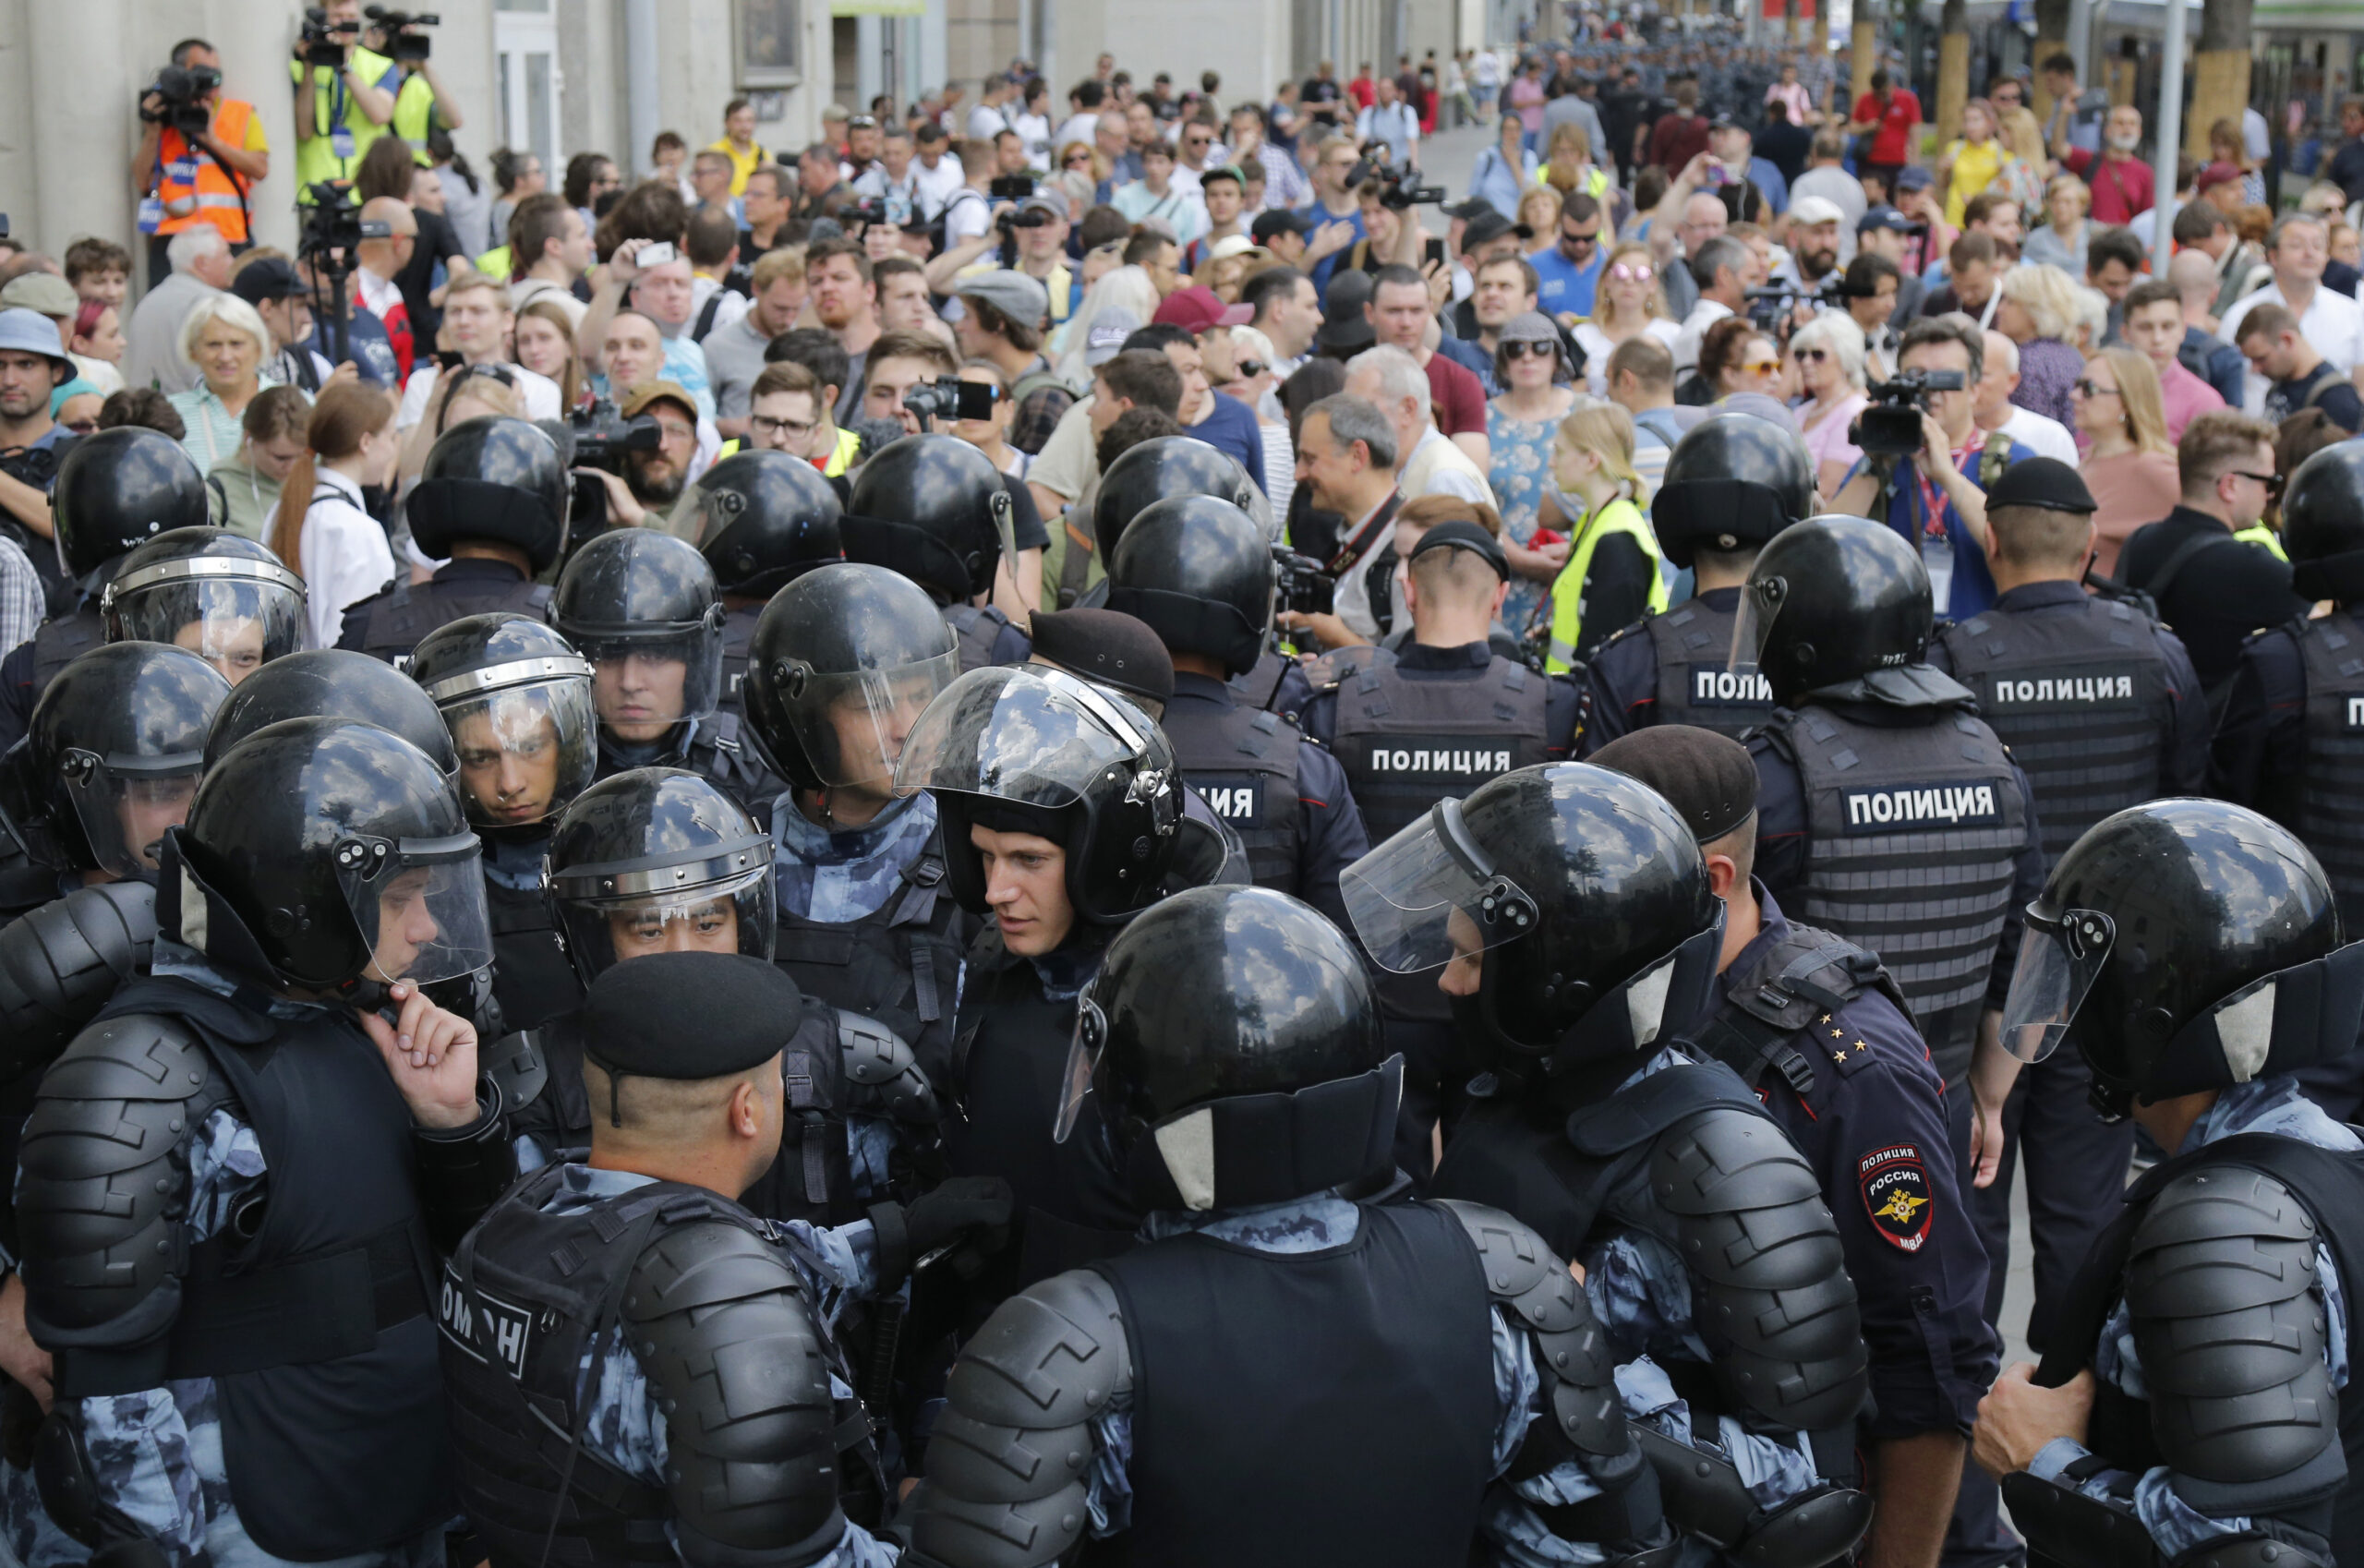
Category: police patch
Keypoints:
(1713, 686)
(1923, 807)
(1237, 797)
(508, 1326)
(1895, 1182)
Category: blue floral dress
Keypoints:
(1521, 477)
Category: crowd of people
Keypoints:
(1056, 832)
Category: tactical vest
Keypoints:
(1277, 684)
(1785, 987)
(2080, 693)
(900, 964)
(391, 624)
(2331, 787)
(979, 628)
(737, 631)
(1692, 642)
(1244, 761)
(717, 747)
(60, 643)
(316, 1330)
(1406, 744)
(1371, 1363)
(1912, 839)
(520, 1305)
(532, 978)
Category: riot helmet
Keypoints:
(333, 684)
(842, 663)
(1733, 482)
(218, 593)
(119, 488)
(1166, 466)
(761, 519)
(1030, 749)
(1274, 1082)
(496, 480)
(2184, 944)
(1593, 883)
(658, 859)
(2322, 525)
(1832, 600)
(933, 507)
(328, 855)
(517, 701)
(1199, 572)
(643, 608)
(116, 746)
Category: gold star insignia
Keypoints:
(1825, 1018)
(1839, 1056)
(1839, 1034)
(1861, 1046)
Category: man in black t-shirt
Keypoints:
(2297, 376)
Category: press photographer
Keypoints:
(199, 154)
(341, 106)
(422, 106)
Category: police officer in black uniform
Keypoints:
(218, 593)
(278, 1094)
(762, 520)
(493, 498)
(933, 508)
(1815, 1027)
(1169, 1409)
(643, 608)
(333, 684)
(2193, 950)
(1733, 482)
(1568, 913)
(115, 489)
(1200, 573)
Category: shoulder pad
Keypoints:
(60, 963)
(708, 1261)
(1522, 1271)
(1051, 1355)
(882, 1071)
(518, 1065)
(135, 1056)
(1724, 1161)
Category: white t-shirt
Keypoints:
(1075, 127)
(936, 185)
(2047, 436)
(966, 215)
(539, 393)
(344, 556)
(1598, 348)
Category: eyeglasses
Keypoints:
(1078, 160)
(1809, 356)
(2085, 387)
(795, 429)
(1520, 348)
(1625, 272)
(2271, 481)
(1761, 367)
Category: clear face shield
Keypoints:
(526, 736)
(1083, 1065)
(419, 905)
(647, 681)
(1760, 601)
(125, 803)
(1030, 734)
(235, 615)
(2061, 956)
(1431, 894)
(855, 726)
(719, 903)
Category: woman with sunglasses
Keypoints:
(1521, 426)
(1828, 352)
(2129, 464)
(1630, 303)
(1080, 173)
(1735, 356)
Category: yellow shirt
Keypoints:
(741, 164)
(1975, 166)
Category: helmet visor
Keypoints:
(1025, 733)
(644, 683)
(125, 804)
(1760, 601)
(235, 624)
(525, 751)
(1083, 1063)
(420, 903)
(855, 726)
(730, 914)
(1430, 895)
(2059, 958)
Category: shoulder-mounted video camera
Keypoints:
(180, 92)
(324, 41)
(1398, 188)
(404, 42)
(1890, 424)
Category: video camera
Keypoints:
(602, 435)
(180, 89)
(949, 397)
(1890, 424)
(1010, 187)
(324, 41)
(403, 42)
(1299, 584)
(1397, 190)
(332, 224)
(1769, 307)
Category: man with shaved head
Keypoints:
(380, 259)
(2214, 360)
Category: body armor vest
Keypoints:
(1786, 987)
(2080, 695)
(979, 627)
(716, 746)
(2331, 787)
(737, 631)
(1244, 762)
(1389, 1464)
(1913, 834)
(60, 643)
(391, 624)
(1277, 684)
(900, 964)
(1691, 642)
(532, 978)
(1406, 744)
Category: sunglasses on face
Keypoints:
(1079, 160)
(2086, 388)
(1525, 346)
(1809, 356)
(1625, 273)
(2271, 481)
(1248, 370)
(1761, 367)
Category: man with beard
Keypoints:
(844, 296)
(652, 480)
(1814, 240)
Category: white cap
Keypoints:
(1811, 210)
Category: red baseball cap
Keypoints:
(1194, 309)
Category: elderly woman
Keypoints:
(1504, 169)
(1735, 356)
(2061, 242)
(2038, 313)
(1630, 303)
(1254, 375)
(1521, 424)
(1829, 353)
(226, 341)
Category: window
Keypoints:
(770, 40)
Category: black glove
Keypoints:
(969, 1213)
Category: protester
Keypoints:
(2129, 464)
(227, 342)
(1522, 426)
(331, 540)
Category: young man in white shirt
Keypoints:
(477, 322)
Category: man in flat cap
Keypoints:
(1816, 1026)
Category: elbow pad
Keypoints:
(882, 1072)
(60, 964)
(462, 1172)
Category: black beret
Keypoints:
(2044, 482)
(1709, 779)
(1458, 534)
(1107, 646)
(690, 1016)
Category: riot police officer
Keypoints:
(2193, 950)
(333, 684)
(1733, 482)
(643, 608)
(1887, 810)
(1816, 1028)
(1200, 573)
(1171, 1405)
(280, 1091)
(762, 520)
(115, 489)
(491, 497)
(933, 508)
(1569, 915)
(517, 702)
(218, 593)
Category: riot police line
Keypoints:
(741, 1054)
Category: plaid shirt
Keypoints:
(1040, 411)
(21, 606)
(1284, 183)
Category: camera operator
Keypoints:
(652, 478)
(422, 106)
(340, 107)
(199, 155)
(1037, 230)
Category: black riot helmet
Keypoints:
(119, 488)
(655, 859)
(934, 509)
(517, 702)
(1199, 570)
(2185, 945)
(761, 519)
(641, 601)
(2322, 525)
(1832, 600)
(328, 855)
(1163, 467)
(1030, 749)
(1733, 482)
(492, 478)
(842, 663)
(115, 747)
(1594, 886)
(335, 683)
(216, 593)
(1275, 1080)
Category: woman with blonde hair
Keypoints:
(1079, 173)
(2038, 313)
(1828, 353)
(543, 340)
(327, 535)
(1569, 168)
(227, 343)
(1613, 577)
(1539, 211)
(1630, 302)
(2129, 464)
(2061, 242)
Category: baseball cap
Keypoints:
(270, 278)
(29, 331)
(1882, 217)
(1046, 198)
(42, 292)
(638, 400)
(1196, 308)
(2219, 173)
(1279, 221)
(1913, 178)
(1808, 209)
(1016, 295)
(1469, 212)
(1105, 338)
(1225, 172)
(1230, 246)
